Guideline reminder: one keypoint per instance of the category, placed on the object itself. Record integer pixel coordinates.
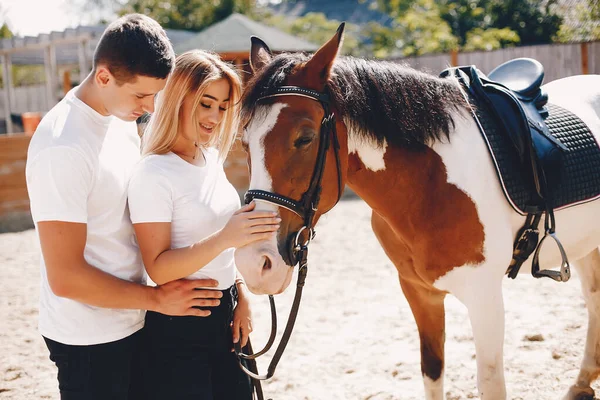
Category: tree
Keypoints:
(474, 24)
(315, 28)
(418, 28)
(490, 39)
(424, 30)
(582, 23)
(534, 21)
(5, 32)
(193, 15)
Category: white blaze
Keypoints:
(257, 130)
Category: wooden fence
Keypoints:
(14, 201)
(559, 60)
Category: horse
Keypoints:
(405, 142)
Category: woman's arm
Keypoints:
(242, 315)
(164, 264)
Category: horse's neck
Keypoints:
(414, 190)
(395, 182)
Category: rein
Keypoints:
(306, 209)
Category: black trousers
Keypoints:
(191, 357)
(98, 372)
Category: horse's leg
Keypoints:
(427, 305)
(588, 269)
(479, 288)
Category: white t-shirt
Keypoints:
(78, 168)
(196, 200)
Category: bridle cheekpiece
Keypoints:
(304, 208)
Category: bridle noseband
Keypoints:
(306, 209)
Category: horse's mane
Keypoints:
(378, 100)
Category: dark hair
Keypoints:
(378, 100)
(135, 45)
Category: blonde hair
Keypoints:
(194, 71)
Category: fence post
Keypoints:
(82, 59)
(454, 57)
(66, 81)
(7, 79)
(51, 71)
(585, 67)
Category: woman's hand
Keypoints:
(242, 317)
(247, 226)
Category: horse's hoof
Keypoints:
(580, 393)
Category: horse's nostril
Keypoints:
(267, 263)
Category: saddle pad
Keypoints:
(580, 177)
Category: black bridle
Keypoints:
(306, 209)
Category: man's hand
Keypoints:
(180, 297)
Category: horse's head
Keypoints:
(297, 155)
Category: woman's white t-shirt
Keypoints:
(197, 201)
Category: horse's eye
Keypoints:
(303, 141)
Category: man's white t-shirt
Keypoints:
(197, 201)
(78, 168)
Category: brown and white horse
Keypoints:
(410, 149)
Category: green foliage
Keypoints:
(582, 23)
(316, 28)
(534, 21)
(24, 75)
(424, 30)
(440, 25)
(490, 39)
(5, 32)
(464, 16)
(193, 15)
(418, 28)
(385, 42)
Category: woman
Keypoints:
(187, 219)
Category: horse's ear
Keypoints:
(260, 54)
(319, 66)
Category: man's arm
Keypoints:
(70, 276)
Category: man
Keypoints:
(78, 165)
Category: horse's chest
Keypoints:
(433, 225)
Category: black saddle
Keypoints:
(512, 93)
(523, 76)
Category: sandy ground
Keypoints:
(355, 336)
